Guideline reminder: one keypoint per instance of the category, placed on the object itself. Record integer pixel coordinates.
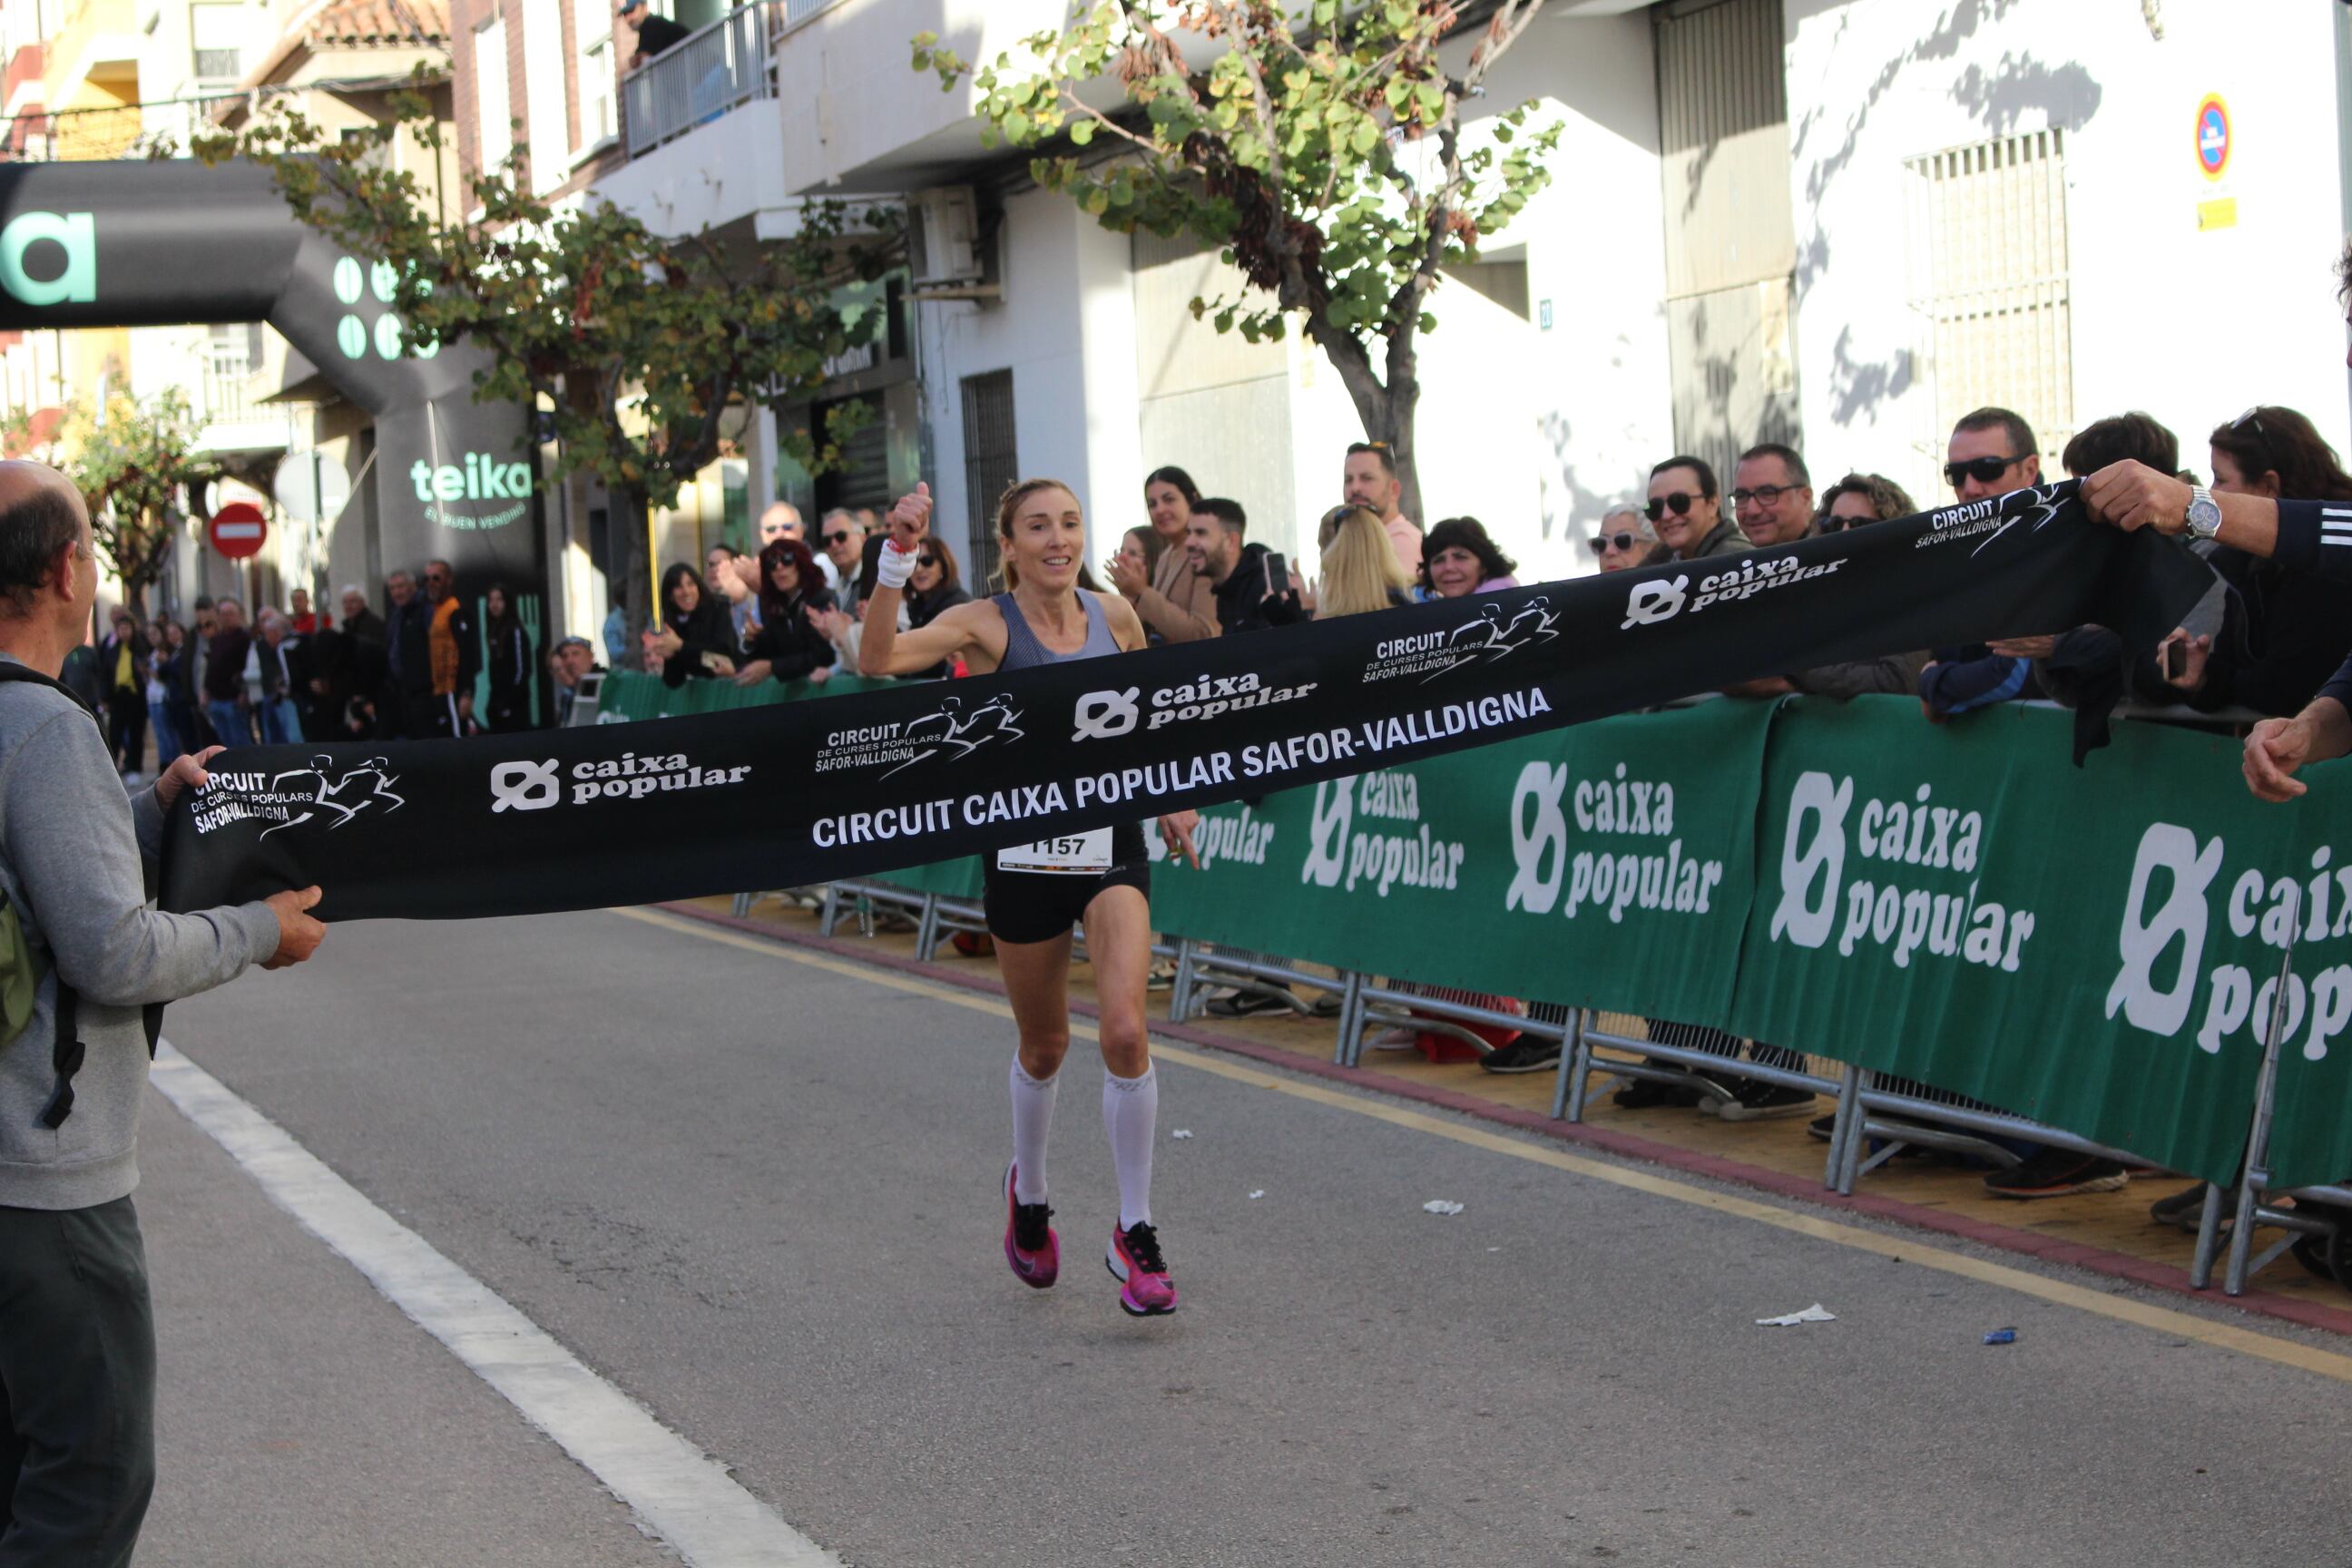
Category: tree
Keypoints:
(640, 344)
(1325, 154)
(139, 475)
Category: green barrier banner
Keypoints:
(630, 694)
(1610, 863)
(1956, 904)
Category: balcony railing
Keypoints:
(702, 77)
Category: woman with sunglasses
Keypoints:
(1685, 507)
(1037, 892)
(936, 588)
(2284, 632)
(1858, 498)
(787, 643)
(1624, 540)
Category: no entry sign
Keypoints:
(237, 529)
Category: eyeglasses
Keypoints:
(1984, 471)
(1679, 502)
(927, 560)
(837, 536)
(1763, 495)
(1620, 542)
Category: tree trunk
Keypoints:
(627, 567)
(1387, 408)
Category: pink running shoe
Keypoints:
(1030, 1244)
(1145, 1290)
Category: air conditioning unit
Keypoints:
(944, 236)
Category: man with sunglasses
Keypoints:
(842, 542)
(1772, 495)
(1991, 453)
(1687, 510)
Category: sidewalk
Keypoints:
(2106, 1233)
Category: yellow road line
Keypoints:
(1907, 1249)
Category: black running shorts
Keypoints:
(1038, 906)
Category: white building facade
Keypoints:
(1838, 225)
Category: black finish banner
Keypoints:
(806, 792)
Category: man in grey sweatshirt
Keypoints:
(77, 1336)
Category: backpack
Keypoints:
(21, 969)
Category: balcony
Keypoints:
(723, 66)
(701, 126)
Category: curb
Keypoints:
(1984, 1233)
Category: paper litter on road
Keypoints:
(1181, 1132)
(1441, 1206)
(1816, 1314)
(1259, 1194)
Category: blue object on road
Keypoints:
(2001, 1337)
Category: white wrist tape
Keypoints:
(894, 567)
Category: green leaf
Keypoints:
(1082, 133)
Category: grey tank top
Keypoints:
(1021, 649)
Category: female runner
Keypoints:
(1037, 892)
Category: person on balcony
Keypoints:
(655, 32)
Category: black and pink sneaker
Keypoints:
(1030, 1244)
(1145, 1290)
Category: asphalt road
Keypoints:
(759, 1196)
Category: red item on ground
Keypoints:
(1442, 1048)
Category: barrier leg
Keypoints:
(1179, 994)
(1846, 1128)
(2209, 1236)
(830, 916)
(1346, 1046)
(743, 905)
(2258, 1137)
(927, 929)
(1850, 1160)
(1579, 1074)
(1570, 1051)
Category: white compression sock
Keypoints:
(1033, 1118)
(1130, 1115)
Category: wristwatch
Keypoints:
(2204, 514)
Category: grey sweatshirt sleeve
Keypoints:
(70, 839)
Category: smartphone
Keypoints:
(1278, 574)
(2176, 661)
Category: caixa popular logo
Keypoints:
(1107, 715)
(75, 234)
(1660, 599)
(527, 785)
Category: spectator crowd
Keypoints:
(2262, 644)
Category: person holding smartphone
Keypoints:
(1251, 583)
(1037, 892)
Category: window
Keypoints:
(494, 119)
(216, 33)
(548, 129)
(1987, 229)
(992, 464)
(595, 73)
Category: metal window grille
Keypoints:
(1987, 227)
(991, 465)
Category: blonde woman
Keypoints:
(1360, 571)
(1037, 892)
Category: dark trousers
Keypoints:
(77, 1385)
(126, 728)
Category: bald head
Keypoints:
(44, 540)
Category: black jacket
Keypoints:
(711, 630)
(788, 638)
(508, 664)
(1246, 602)
(2284, 632)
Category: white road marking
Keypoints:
(678, 1493)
